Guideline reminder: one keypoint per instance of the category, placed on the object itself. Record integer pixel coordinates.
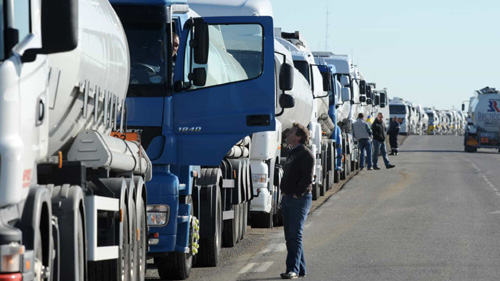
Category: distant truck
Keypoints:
(483, 121)
(400, 109)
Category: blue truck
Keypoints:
(195, 108)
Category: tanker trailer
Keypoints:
(483, 123)
(72, 197)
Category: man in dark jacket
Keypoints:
(379, 136)
(296, 187)
(393, 135)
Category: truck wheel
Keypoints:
(176, 265)
(278, 218)
(322, 188)
(140, 260)
(133, 242)
(243, 220)
(210, 247)
(231, 230)
(124, 258)
(336, 176)
(262, 220)
(315, 190)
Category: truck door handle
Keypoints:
(258, 120)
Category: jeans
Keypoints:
(365, 144)
(378, 145)
(295, 212)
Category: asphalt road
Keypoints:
(436, 216)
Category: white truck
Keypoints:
(72, 197)
(319, 122)
(400, 109)
(483, 121)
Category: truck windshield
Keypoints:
(431, 118)
(147, 53)
(2, 43)
(397, 109)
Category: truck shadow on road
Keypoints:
(430, 151)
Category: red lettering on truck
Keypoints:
(26, 178)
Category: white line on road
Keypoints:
(246, 268)
(308, 225)
(264, 266)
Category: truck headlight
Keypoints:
(259, 178)
(158, 215)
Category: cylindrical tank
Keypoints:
(484, 109)
(301, 112)
(89, 84)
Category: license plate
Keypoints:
(484, 140)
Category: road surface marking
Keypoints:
(308, 225)
(246, 268)
(263, 267)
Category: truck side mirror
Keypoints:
(346, 94)
(362, 99)
(286, 77)
(59, 28)
(369, 101)
(383, 99)
(327, 81)
(198, 76)
(287, 101)
(200, 41)
(463, 107)
(369, 91)
(363, 88)
(344, 80)
(376, 100)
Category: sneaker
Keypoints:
(302, 276)
(369, 169)
(376, 168)
(390, 166)
(289, 275)
(361, 169)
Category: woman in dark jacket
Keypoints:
(393, 133)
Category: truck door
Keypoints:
(237, 96)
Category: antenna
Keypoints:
(327, 36)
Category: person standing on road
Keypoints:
(379, 137)
(393, 135)
(363, 134)
(296, 187)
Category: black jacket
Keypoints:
(298, 175)
(393, 128)
(379, 131)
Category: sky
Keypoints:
(433, 53)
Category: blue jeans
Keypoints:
(295, 212)
(365, 144)
(379, 146)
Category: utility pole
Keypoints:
(327, 35)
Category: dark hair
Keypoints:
(301, 132)
(361, 115)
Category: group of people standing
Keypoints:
(377, 132)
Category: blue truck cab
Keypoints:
(195, 100)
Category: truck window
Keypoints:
(22, 18)
(147, 53)
(397, 109)
(2, 18)
(235, 54)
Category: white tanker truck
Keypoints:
(483, 121)
(72, 197)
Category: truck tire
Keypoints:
(315, 190)
(262, 220)
(243, 219)
(142, 241)
(176, 265)
(336, 176)
(132, 275)
(210, 247)
(231, 229)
